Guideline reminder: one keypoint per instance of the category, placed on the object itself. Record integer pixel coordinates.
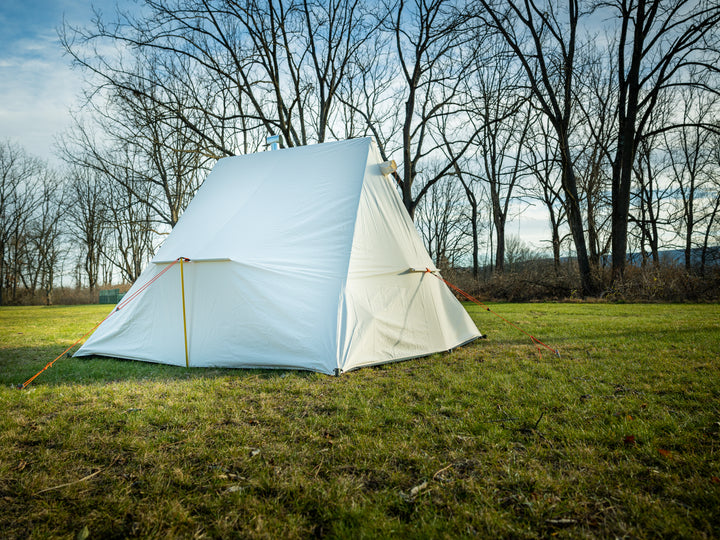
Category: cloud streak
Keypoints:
(37, 85)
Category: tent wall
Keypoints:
(388, 312)
(237, 316)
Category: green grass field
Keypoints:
(619, 437)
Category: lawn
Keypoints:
(618, 437)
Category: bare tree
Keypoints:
(46, 232)
(690, 160)
(429, 43)
(409, 85)
(441, 221)
(18, 201)
(151, 154)
(504, 127)
(541, 160)
(87, 219)
(544, 38)
(268, 67)
(651, 212)
(659, 45)
(710, 250)
(518, 252)
(128, 243)
(469, 182)
(593, 136)
(653, 191)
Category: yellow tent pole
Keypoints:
(182, 286)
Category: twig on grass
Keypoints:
(561, 521)
(441, 471)
(414, 492)
(83, 479)
(317, 469)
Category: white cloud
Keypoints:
(35, 98)
(37, 85)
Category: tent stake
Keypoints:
(182, 286)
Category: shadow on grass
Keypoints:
(17, 365)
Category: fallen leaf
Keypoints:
(715, 480)
(665, 453)
(630, 440)
(83, 534)
(233, 489)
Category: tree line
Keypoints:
(604, 113)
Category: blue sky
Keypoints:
(37, 85)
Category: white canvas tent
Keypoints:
(299, 258)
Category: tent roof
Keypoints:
(290, 210)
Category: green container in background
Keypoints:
(110, 296)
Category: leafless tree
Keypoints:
(518, 251)
(504, 117)
(650, 213)
(470, 182)
(660, 44)
(653, 192)
(433, 54)
(46, 232)
(690, 155)
(544, 38)
(441, 221)
(710, 246)
(593, 137)
(275, 67)
(129, 231)
(541, 160)
(87, 219)
(153, 155)
(18, 201)
(465, 171)
(408, 86)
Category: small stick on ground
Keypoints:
(88, 477)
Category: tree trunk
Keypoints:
(2, 271)
(476, 241)
(575, 221)
(500, 248)
(556, 247)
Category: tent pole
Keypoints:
(182, 286)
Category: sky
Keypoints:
(38, 87)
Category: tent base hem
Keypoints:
(407, 358)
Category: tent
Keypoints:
(301, 258)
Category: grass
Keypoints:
(620, 436)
